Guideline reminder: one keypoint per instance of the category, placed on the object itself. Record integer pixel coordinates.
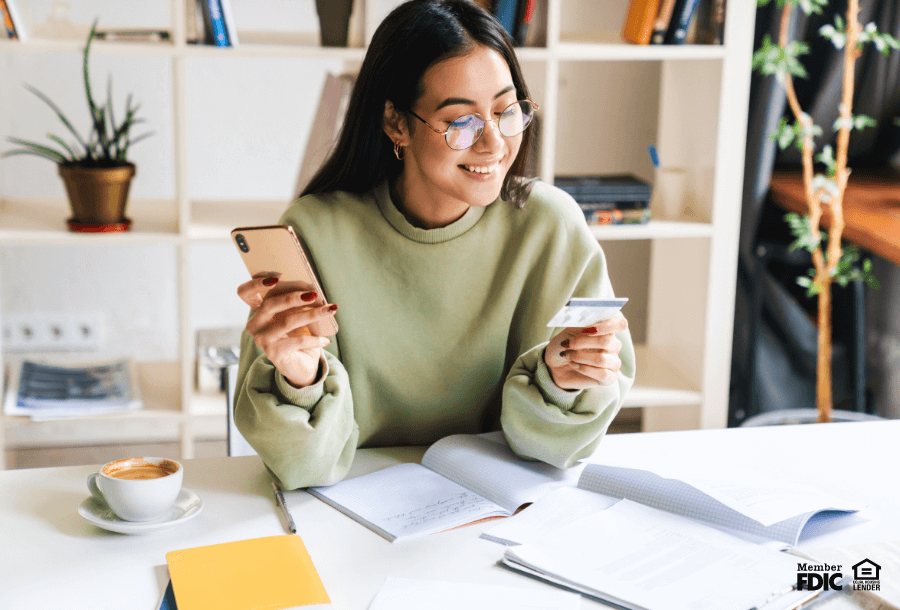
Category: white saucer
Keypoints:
(187, 506)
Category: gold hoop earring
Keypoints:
(398, 151)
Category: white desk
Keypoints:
(51, 558)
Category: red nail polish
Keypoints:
(270, 281)
(562, 355)
(565, 344)
(309, 296)
(589, 331)
(332, 308)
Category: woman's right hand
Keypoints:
(279, 327)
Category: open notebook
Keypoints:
(465, 478)
(462, 479)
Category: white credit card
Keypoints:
(581, 312)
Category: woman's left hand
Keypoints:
(586, 357)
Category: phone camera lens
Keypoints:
(242, 244)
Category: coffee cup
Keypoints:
(138, 489)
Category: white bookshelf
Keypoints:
(691, 101)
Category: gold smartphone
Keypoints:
(275, 249)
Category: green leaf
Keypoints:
(25, 151)
(773, 59)
(826, 157)
(825, 186)
(61, 142)
(837, 38)
(812, 6)
(58, 112)
(39, 148)
(802, 232)
(862, 121)
(841, 123)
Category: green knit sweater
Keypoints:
(442, 331)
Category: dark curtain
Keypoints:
(775, 348)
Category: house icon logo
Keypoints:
(866, 576)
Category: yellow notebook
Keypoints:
(257, 574)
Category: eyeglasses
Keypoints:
(467, 129)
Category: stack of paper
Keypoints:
(645, 559)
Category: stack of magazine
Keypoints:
(47, 390)
(616, 199)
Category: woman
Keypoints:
(445, 264)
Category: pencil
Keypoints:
(279, 500)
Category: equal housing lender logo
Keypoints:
(825, 577)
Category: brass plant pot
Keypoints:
(98, 195)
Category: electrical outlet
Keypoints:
(53, 332)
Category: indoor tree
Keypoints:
(824, 191)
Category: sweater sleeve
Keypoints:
(547, 423)
(305, 436)
(541, 420)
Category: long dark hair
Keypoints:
(413, 37)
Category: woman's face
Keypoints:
(433, 172)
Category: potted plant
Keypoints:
(824, 191)
(96, 171)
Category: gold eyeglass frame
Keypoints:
(497, 120)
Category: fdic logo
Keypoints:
(816, 576)
(823, 576)
(866, 576)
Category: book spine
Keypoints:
(661, 25)
(505, 12)
(193, 21)
(617, 216)
(228, 18)
(217, 32)
(7, 21)
(16, 18)
(639, 22)
(718, 22)
(681, 20)
(526, 15)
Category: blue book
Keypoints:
(681, 19)
(215, 23)
(168, 599)
(505, 12)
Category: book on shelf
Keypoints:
(661, 23)
(640, 20)
(718, 22)
(326, 127)
(506, 12)
(12, 20)
(214, 22)
(48, 388)
(133, 35)
(613, 199)
(194, 24)
(524, 20)
(701, 26)
(682, 15)
(462, 479)
(256, 574)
